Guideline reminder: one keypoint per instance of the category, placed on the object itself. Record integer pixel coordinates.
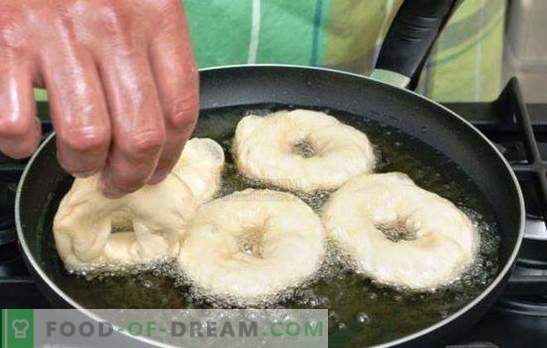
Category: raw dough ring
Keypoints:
(149, 222)
(444, 241)
(252, 244)
(264, 149)
(200, 167)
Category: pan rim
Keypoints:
(502, 274)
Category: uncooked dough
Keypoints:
(93, 232)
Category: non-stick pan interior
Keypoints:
(445, 156)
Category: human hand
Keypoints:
(121, 80)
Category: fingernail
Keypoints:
(84, 174)
(112, 193)
(38, 124)
(109, 192)
(157, 177)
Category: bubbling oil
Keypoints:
(361, 311)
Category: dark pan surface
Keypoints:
(443, 141)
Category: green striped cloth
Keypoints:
(346, 34)
(466, 64)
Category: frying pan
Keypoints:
(43, 182)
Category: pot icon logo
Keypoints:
(20, 328)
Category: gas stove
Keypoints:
(518, 319)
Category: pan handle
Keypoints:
(413, 32)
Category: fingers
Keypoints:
(137, 121)
(177, 82)
(78, 110)
(19, 129)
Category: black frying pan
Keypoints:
(44, 183)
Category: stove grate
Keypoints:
(522, 139)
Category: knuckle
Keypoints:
(5, 38)
(86, 139)
(143, 143)
(111, 17)
(183, 113)
(10, 33)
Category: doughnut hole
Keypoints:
(397, 231)
(121, 221)
(251, 241)
(396, 226)
(304, 148)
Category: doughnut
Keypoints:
(94, 232)
(398, 233)
(250, 245)
(301, 150)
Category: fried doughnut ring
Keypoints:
(252, 244)
(438, 240)
(266, 148)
